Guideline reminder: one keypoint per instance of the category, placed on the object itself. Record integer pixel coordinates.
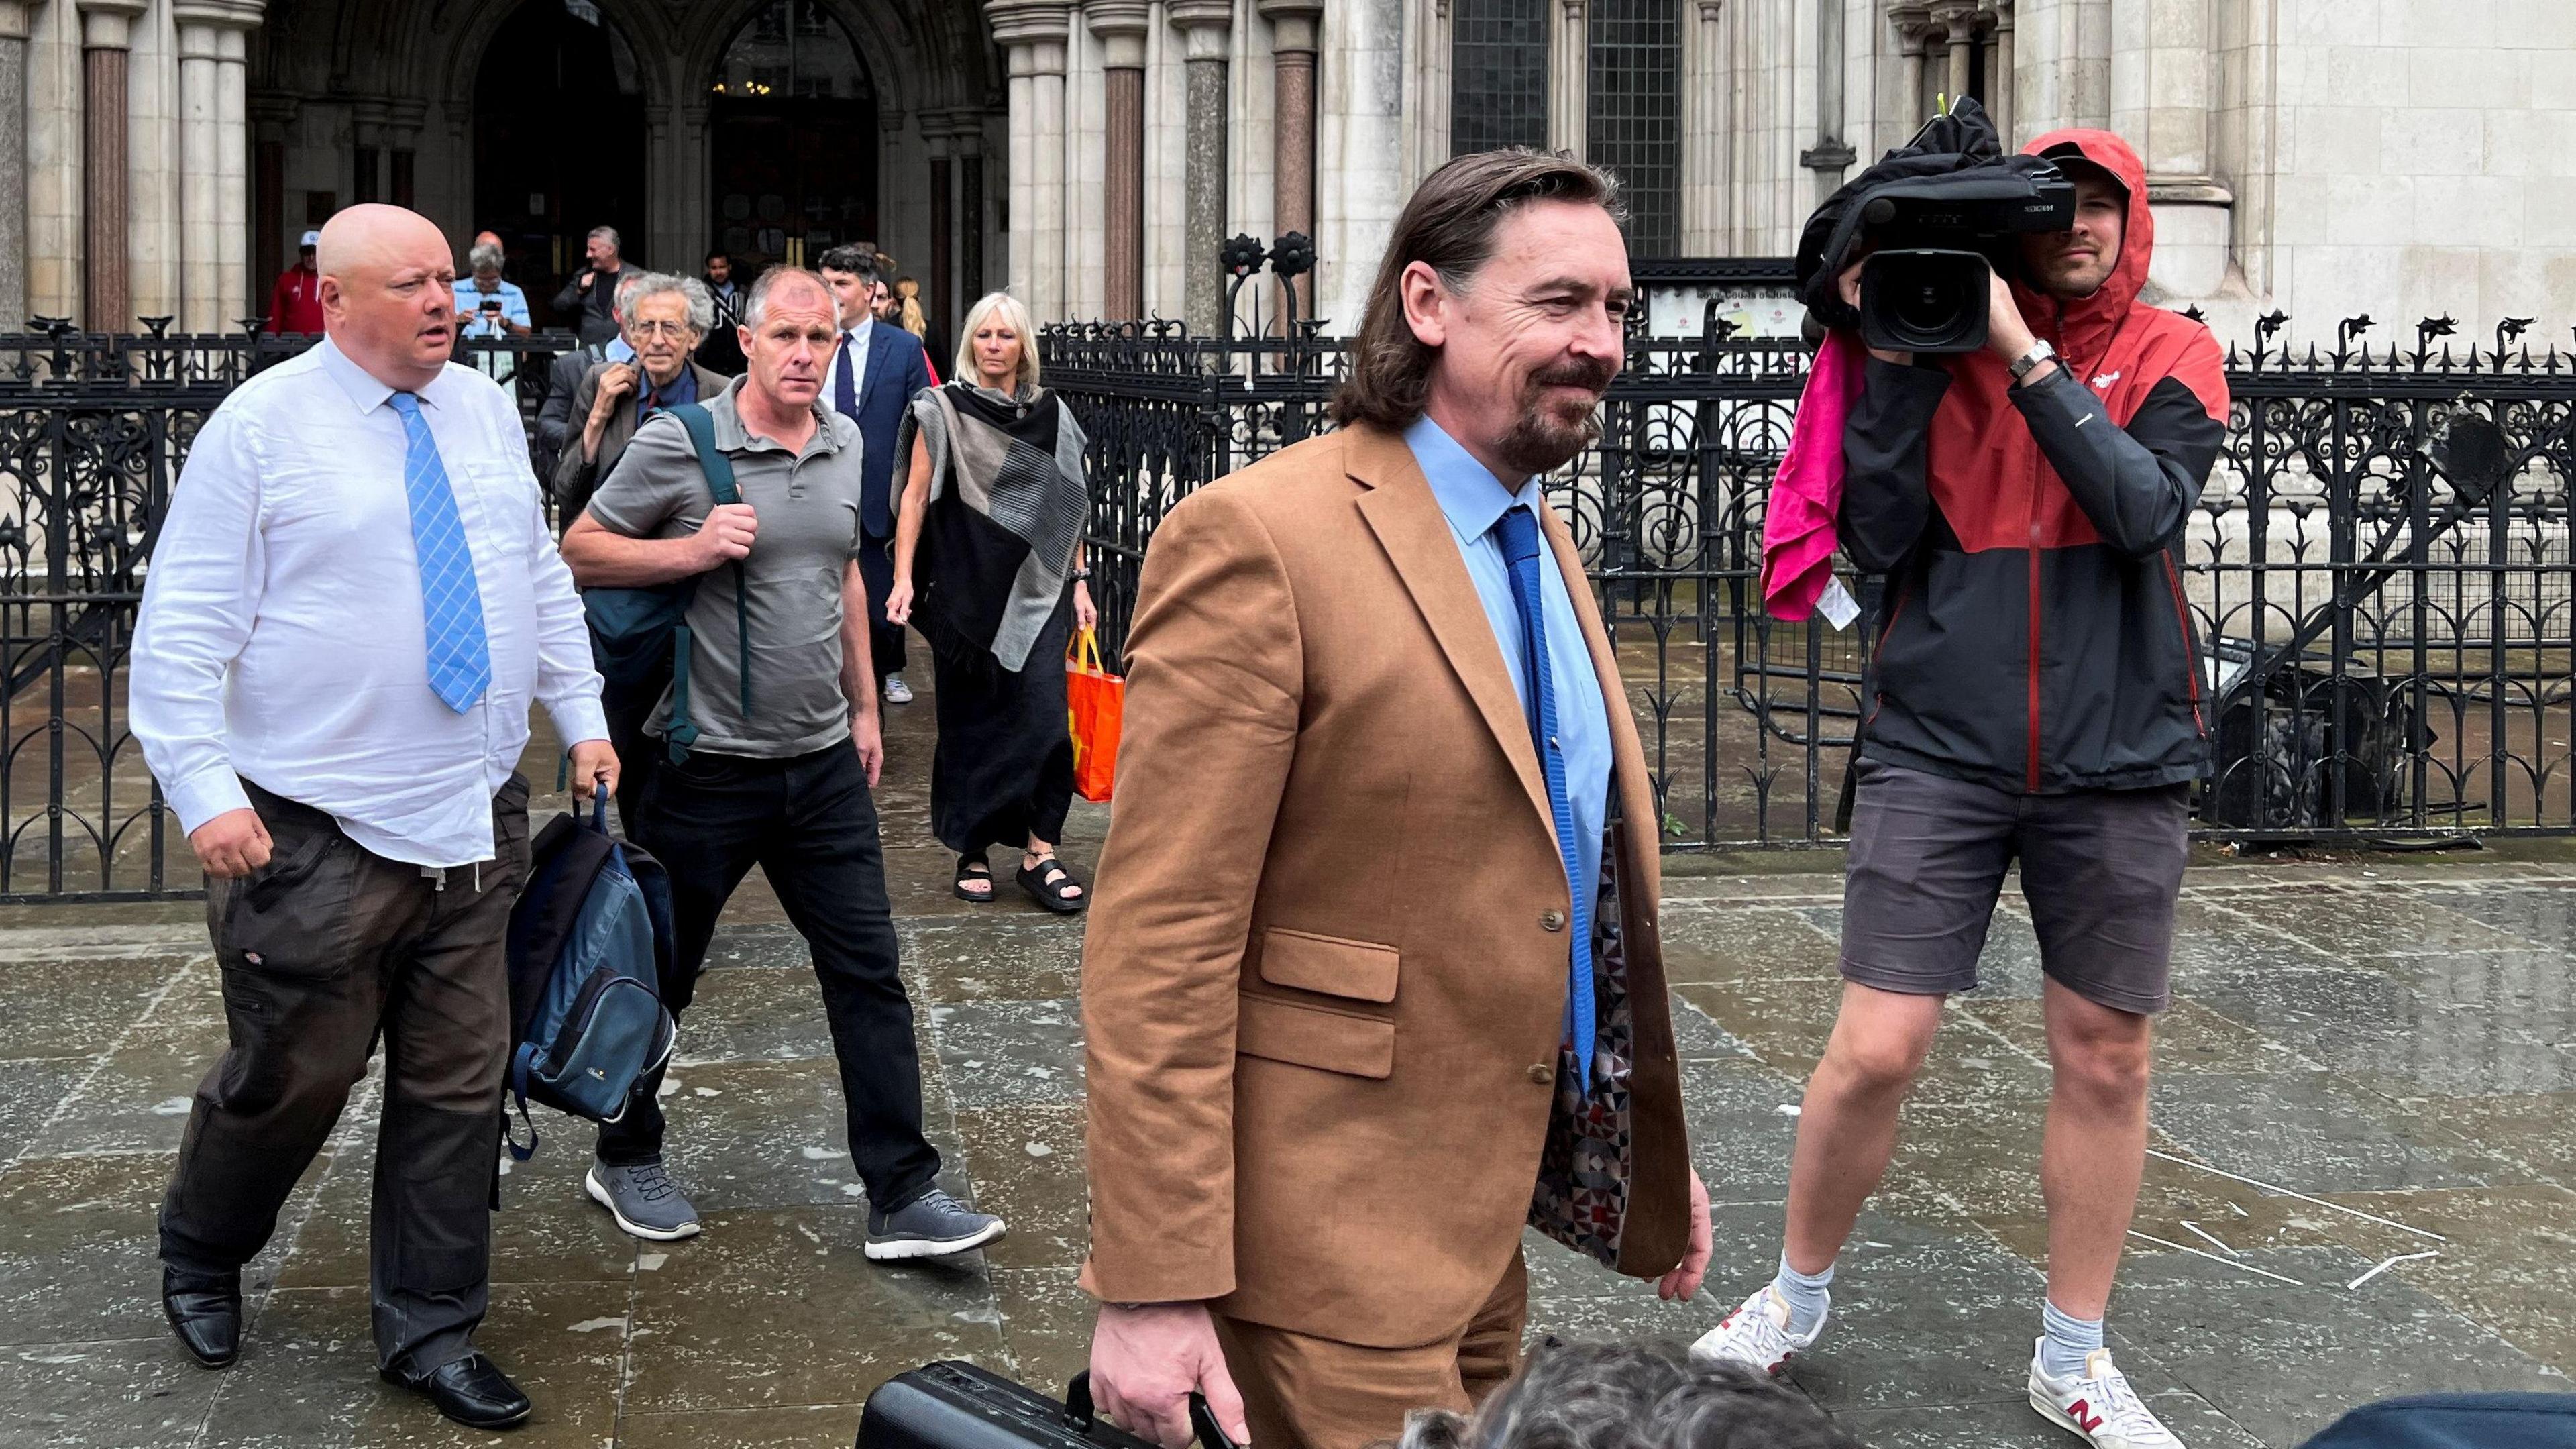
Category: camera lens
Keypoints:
(1924, 300)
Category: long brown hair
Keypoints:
(1449, 225)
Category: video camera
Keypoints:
(1936, 216)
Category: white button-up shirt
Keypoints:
(281, 637)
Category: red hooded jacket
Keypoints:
(2037, 635)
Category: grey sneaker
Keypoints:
(896, 691)
(643, 1199)
(932, 1225)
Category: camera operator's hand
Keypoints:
(1849, 282)
(2007, 335)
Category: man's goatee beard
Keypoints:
(1538, 444)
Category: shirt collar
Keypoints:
(1468, 492)
(365, 392)
(858, 332)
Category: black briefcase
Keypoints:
(953, 1405)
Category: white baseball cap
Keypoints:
(311, 239)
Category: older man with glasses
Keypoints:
(662, 318)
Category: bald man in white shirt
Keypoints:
(352, 602)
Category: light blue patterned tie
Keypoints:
(1518, 533)
(451, 606)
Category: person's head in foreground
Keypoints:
(996, 348)
(388, 293)
(1630, 1396)
(1500, 309)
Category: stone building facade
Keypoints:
(2328, 157)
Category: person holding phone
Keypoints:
(490, 306)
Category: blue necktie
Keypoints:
(451, 605)
(845, 393)
(1518, 531)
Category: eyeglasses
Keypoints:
(673, 330)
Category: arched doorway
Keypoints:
(559, 141)
(792, 138)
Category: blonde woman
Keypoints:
(988, 564)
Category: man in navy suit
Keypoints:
(874, 376)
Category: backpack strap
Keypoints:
(681, 732)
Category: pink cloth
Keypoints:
(1798, 525)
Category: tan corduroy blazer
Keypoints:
(1324, 980)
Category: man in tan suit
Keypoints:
(1372, 977)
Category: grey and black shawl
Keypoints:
(1007, 506)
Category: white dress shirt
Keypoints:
(281, 636)
(853, 355)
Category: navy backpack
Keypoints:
(590, 942)
(2457, 1421)
(639, 638)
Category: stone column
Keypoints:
(106, 34)
(1704, 128)
(214, 150)
(1119, 25)
(1913, 38)
(271, 115)
(937, 301)
(1032, 33)
(2003, 79)
(1206, 26)
(402, 155)
(2163, 96)
(1831, 156)
(1569, 90)
(1957, 22)
(970, 218)
(1293, 27)
(13, 164)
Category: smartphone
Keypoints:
(491, 304)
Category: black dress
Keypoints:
(1003, 770)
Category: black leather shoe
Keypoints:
(204, 1310)
(472, 1391)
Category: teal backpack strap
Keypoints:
(718, 469)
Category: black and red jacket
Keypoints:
(2036, 633)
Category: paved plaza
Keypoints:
(2369, 1060)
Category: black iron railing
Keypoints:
(93, 431)
(2379, 568)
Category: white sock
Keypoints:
(2066, 1341)
(1804, 1293)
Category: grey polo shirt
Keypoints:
(808, 507)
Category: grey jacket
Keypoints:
(575, 478)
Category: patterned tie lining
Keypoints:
(1518, 529)
(451, 603)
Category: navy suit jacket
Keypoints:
(897, 369)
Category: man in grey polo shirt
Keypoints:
(784, 785)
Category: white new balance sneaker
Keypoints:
(1757, 1334)
(2098, 1406)
(895, 690)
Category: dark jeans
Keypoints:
(811, 826)
(323, 949)
(876, 570)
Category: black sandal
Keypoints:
(1047, 885)
(973, 868)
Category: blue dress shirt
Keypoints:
(1473, 498)
(469, 308)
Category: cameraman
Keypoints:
(2037, 700)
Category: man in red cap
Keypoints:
(295, 305)
(2038, 699)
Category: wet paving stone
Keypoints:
(1002, 1053)
(2309, 1132)
(2397, 1041)
(780, 1308)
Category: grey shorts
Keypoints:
(2100, 868)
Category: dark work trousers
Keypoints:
(876, 570)
(323, 950)
(810, 824)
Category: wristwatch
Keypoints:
(2025, 364)
(1079, 575)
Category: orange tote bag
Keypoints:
(1094, 698)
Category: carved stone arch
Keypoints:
(883, 47)
(452, 36)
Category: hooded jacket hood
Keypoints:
(2084, 326)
